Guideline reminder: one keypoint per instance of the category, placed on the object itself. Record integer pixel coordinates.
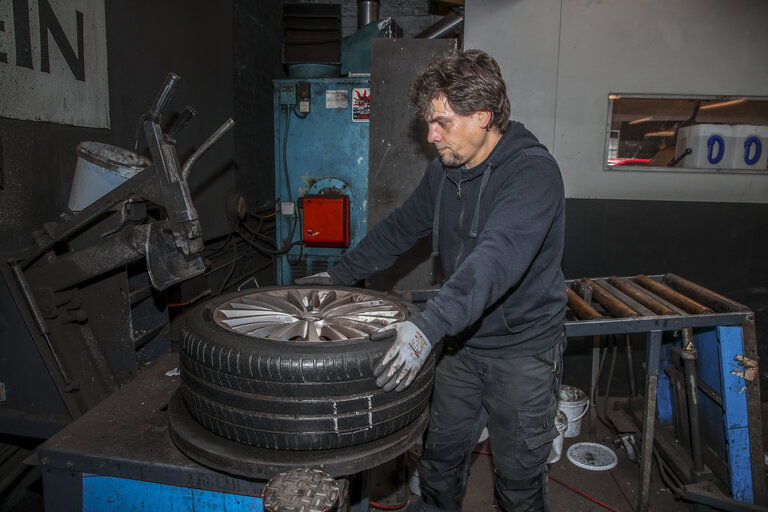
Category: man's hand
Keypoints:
(407, 355)
(320, 279)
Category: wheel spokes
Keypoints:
(307, 314)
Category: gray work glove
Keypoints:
(319, 279)
(407, 355)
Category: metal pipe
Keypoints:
(678, 299)
(611, 303)
(626, 286)
(692, 395)
(39, 322)
(164, 96)
(630, 367)
(207, 144)
(443, 28)
(703, 295)
(367, 12)
(580, 306)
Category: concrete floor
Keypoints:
(617, 488)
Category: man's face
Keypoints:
(460, 140)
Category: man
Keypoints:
(493, 201)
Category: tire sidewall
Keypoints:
(201, 324)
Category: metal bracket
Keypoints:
(749, 368)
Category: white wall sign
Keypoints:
(53, 61)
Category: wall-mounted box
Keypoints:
(326, 221)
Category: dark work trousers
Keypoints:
(516, 396)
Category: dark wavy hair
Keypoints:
(470, 80)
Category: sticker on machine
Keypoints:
(336, 98)
(361, 105)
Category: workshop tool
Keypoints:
(80, 302)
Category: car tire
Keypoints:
(294, 394)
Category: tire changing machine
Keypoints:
(124, 455)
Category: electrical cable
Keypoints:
(299, 114)
(267, 250)
(231, 270)
(285, 154)
(301, 251)
(223, 246)
(595, 500)
(257, 234)
(381, 506)
(668, 476)
(581, 493)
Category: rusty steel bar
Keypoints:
(611, 303)
(678, 299)
(623, 297)
(626, 286)
(703, 295)
(580, 306)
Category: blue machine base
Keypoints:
(112, 494)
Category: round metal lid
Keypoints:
(301, 490)
(592, 456)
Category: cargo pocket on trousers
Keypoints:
(536, 433)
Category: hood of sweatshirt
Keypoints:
(515, 139)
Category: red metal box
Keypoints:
(326, 221)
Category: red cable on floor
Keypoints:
(387, 507)
(567, 486)
(583, 494)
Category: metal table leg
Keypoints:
(593, 388)
(652, 351)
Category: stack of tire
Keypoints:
(292, 395)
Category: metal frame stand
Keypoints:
(669, 303)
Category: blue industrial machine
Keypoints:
(321, 171)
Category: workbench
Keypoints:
(718, 335)
(119, 456)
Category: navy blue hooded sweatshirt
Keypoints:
(498, 228)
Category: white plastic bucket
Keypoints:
(100, 168)
(561, 422)
(575, 404)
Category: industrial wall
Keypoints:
(138, 43)
(258, 38)
(561, 59)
